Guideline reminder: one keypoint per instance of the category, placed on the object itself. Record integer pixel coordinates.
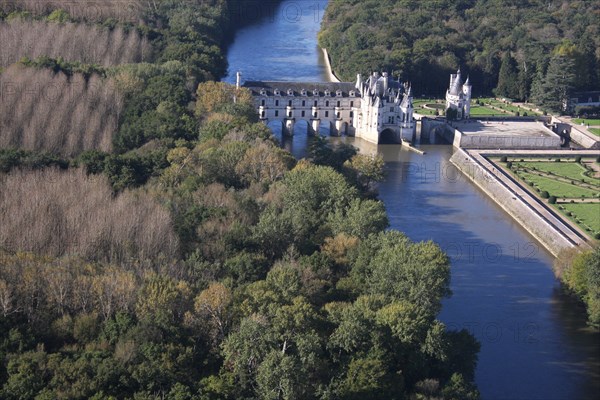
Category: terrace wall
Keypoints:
(549, 236)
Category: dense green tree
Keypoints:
(360, 219)
(554, 90)
(425, 41)
(507, 78)
(366, 171)
(580, 274)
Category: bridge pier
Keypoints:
(314, 126)
(289, 126)
(340, 127)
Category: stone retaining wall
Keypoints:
(551, 238)
(576, 135)
(474, 141)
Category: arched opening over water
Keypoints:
(302, 128)
(325, 128)
(388, 136)
(277, 128)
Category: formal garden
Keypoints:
(480, 108)
(570, 184)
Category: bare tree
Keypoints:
(131, 11)
(54, 212)
(48, 111)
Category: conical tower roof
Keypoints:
(456, 88)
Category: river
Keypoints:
(534, 340)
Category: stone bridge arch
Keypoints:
(390, 135)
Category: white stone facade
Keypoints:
(377, 110)
(386, 110)
(458, 96)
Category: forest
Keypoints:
(163, 246)
(535, 50)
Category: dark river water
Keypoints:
(534, 340)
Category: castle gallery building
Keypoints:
(376, 109)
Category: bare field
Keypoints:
(46, 111)
(88, 44)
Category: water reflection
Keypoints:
(282, 45)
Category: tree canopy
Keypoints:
(499, 43)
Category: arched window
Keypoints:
(327, 104)
(262, 102)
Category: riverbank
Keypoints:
(330, 74)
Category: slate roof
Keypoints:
(297, 87)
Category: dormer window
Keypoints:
(352, 93)
(263, 92)
(303, 92)
(338, 93)
(277, 92)
(290, 92)
(327, 92)
(315, 92)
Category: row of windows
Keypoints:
(316, 103)
(315, 115)
(304, 92)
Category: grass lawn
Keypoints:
(419, 109)
(419, 103)
(483, 111)
(586, 121)
(556, 188)
(507, 107)
(589, 214)
(595, 131)
(571, 170)
(425, 111)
